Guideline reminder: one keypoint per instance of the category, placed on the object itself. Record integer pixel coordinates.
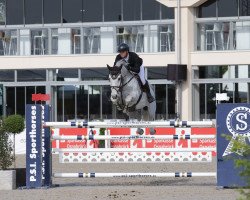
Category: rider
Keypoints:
(135, 64)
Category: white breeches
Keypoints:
(142, 74)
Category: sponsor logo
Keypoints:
(237, 123)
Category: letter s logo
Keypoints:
(242, 125)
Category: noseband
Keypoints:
(114, 75)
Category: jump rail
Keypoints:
(133, 175)
(128, 124)
(131, 137)
(93, 150)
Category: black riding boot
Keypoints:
(147, 90)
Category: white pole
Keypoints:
(128, 124)
(137, 150)
(130, 137)
(133, 175)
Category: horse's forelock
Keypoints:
(114, 71)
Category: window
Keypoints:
(29, 91)
(106, 103)
(33, 11)
(2, 12)
(72, 11)
(230, 80)
(216, 36)
(94, 102)
(112, 10)
(157, 73)
(8, 42)
(240, 71)
(213, 72)
(227, 8)
(160, 94)
(133, 36)
(132, 10)
(60, 101)
(54, 41)
(7, 76)
(92, 11)
(10, 97)
(14, 13)
(150, 10)
(167, 13)
(39, 42)
(69, 102)
(67, 74)
(52, 11)
(94, 74)
(31, 75)
(75, 41)
(82, 102)
(244, 7)
(20, 101)
(207, 9)
(92, 42)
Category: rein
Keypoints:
(120, 89)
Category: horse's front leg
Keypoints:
(127, 103)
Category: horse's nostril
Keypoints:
(114, 96)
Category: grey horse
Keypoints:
(128, 96)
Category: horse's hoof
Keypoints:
(152, 132)
(140, 131)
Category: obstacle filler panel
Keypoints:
(232, 120)
(165, 137)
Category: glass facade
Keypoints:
(155, 37)
(93, 11)
(225, 28)
(8, 42)
(39, 42)
(112, 10)
(13, 12)
(52, 11)
(224, 8)
(150, 10)
(33, 11)
(229, 35)
(2, 12)
(132, 13)
(78, 93)
(209, 80)
(72, 11)
(131, 35)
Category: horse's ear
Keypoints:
(109, 67)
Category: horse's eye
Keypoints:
(119, 78)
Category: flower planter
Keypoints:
(7, 179)
(20, 176)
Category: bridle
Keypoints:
(122, 85)
(119, 89)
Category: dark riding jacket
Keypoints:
(134, 61)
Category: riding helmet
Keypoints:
(123, 47)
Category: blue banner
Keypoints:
(232, 120)
(33, 146)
